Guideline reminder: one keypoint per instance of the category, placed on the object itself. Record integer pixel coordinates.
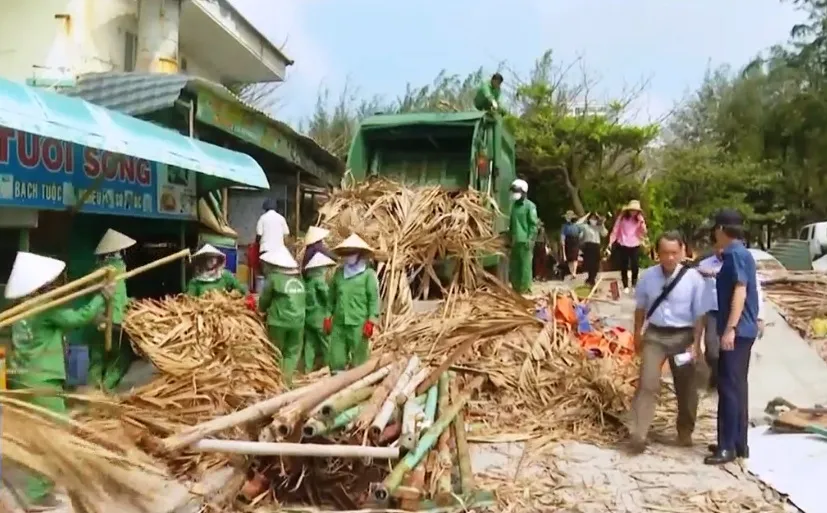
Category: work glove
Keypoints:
(495, 105)
(108, 290)
(327, 325)
(367, 329)
(250, 302)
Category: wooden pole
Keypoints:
(42, 307)
(288, 449)
(298, 200)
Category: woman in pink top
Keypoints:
(625, 240)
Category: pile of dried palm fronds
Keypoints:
(412, 229)
(214, 357)
(100, 474)
(541, 380)
(801, 298)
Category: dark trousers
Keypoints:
(628, 259)
(733, 395)
(591, 260)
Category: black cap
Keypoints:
(729, 217)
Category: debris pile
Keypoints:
(801, 298)
(415, 230)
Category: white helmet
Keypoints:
(519, 185)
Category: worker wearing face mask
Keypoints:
(354, 294)
(107, 369)
(522, 233)
(210, 273)
(316, 338)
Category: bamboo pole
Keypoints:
(107, 330)
(249, 414)
(42, 307)
(443, 451)
(466, 473)
(315, 427)
(331, 409)
(378, 398)
(433, 377)
(97, 275)
(386, 411)
(384, 490)
(367, 381)
(287, 449)
(284, 423)
(412, 416)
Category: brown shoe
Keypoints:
(685, 439)
(635, 445)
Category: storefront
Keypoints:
(69, 170)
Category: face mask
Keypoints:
(351, 259)
(516, 196)
(593, 222)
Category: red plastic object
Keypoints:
(367, 330)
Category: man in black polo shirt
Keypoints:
(737, 323)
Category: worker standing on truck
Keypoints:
(316, 339)
(107, 369)
(37, 358)
(522, 232)
(283, 298)
(354, 293)
(488, 95)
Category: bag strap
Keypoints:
(666, 291)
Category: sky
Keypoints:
(378, 46)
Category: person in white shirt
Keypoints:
(271, 228)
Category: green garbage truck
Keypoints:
(456, 150)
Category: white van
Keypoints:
(816, 236)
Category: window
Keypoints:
(805, 233)
(130, 56)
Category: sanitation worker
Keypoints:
(283, 298)
(354, 293)
(37, 359)
(317, 311)
(522, 232)
(488, 95)
(107, 369)
(210, 273)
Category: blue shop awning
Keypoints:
(48, 114)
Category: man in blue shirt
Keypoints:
(737, 325)
(670, 305)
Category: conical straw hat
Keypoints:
(353, 242)
(208, 250)
(319, 260)
(315, 234)
(280, 257)
(113, 241)
(30, 272)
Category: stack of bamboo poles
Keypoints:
(333, 436)
(413, 229)
(214, 357)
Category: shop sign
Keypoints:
(48, 174)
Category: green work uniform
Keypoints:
(318, 309)
(486, 95)
(108, 368)
(355, 300)
(37, 361)
(283, 298)
(227, 282)
(523, 232)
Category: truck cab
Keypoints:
(457, 150)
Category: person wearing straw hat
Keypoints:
(570, 239)
(625, 240)
(314, 243)
(317, 311)
(283, 299)
(37, 359)
(354, 294)
(210, 274)
(108, 369)
(522, 232)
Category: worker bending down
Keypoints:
(522, 232)
(107, 368)
(37, 359)
(210, 273)
(283, 299)
(354, 293)
(318, 310)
